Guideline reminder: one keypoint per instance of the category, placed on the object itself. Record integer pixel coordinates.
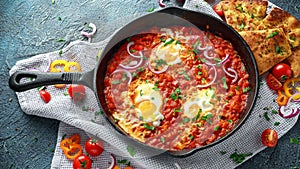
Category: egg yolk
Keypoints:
(194, 109)
(147, 108)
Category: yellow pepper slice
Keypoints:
(57, 63)
(287, 89)
(68, 67)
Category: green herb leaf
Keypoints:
(266, 116)
(246, 89)
(223, 152)
(191, 137)
(238, 158)
(294, 141)
(169, 42)
(224, 82)
(147, 126)
(216, 128)
(151, 9)
(60, 40)
(131, 151)
(272, 34)
(276, 123)
(60, 52)
(162, 139)
(277, 49)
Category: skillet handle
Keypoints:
(46, 78)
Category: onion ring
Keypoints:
(113, 162)
(161, 4)
(128, 50)
(222, 62)
(87, 34)
(127, 73)
(133, 67)
(292, 111)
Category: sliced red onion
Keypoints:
(125, 71)
(113, 162)
(133, 67)
(177, 165)
(234, 76)
(89, 34)
(159, 71)
(222, 62)
(128, 50)
(161, 4)
(212, 81)
(288, 111)
(206, 52)
(205, 48)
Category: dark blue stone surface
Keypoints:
(31, 27)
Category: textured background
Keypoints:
(31, 27)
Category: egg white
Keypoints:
(147, 103)
(200, 100)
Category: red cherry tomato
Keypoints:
(82, 162)
(94, 147)
(269, 138)
(77, 92)
(45, 95)
(218, 9)
(273, 83)
(282, 71)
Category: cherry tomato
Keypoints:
(77, 92)
(45, 95)
(93, 147)
(218, 9)
(82, 162)
(273, 83)
(282, 71)
(269, 138)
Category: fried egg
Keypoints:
(201, 101)
(170, 52)
(148, 103)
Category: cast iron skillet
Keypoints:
(94, 79)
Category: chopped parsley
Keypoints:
(276, 123)
(131, 151)
(274, 112)
(266, 116)
(278, 49)
(60, 52)
(186, 77)
(294, 141)
(160, 62)
(162, 139)
(272, 34)
(169, 42)
(197, 116)
(240, 8)
(147, 126)
(252, 16)
(239, 158)
(216, 128)
(224, 82)
(191, 137)
(242, 26)
(151, 9)
(141, 93)
(60, 40)
(176, 94)
(207, 118)
(127, 163)
(246, 89)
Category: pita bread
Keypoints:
(278, 18)
(244, 15)
(268, 46)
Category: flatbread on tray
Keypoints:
(250, 19)
(244, 14)
(278, 18)
(269, 47)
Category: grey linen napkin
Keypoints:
(86, 118)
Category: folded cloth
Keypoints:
(86, 118)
